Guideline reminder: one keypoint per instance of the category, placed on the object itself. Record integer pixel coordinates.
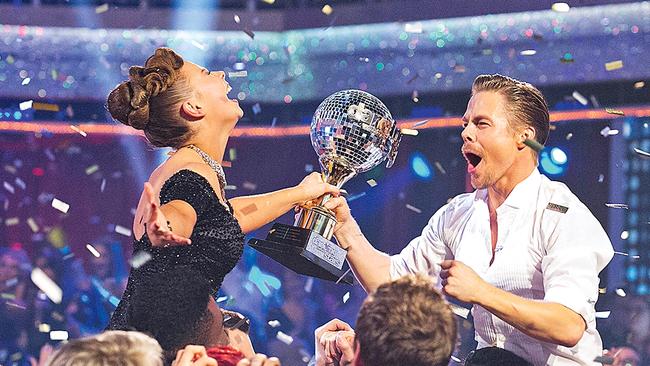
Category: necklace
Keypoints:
(214, 165)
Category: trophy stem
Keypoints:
(317, 219)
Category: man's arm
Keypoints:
(370, 266)
(545, 321)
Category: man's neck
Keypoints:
(499, 192)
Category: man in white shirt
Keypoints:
(521, 248)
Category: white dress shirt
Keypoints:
(549, 248)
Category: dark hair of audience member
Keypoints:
(493, 356)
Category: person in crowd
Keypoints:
(403, 322)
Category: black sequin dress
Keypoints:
(217, 240)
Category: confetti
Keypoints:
(238, 74)
(594, 101)
(342, 276)
(26, 105)
(101, 9)
(21, 307)
(221, 299)
(274, 323)
(309, 168)
(346, 297)
(236, 17)
(12, 221)
(627, 255)
(9, 187)
(230, 187)
(26, 81)
(44, 328)
(413, 27)
(257, 109)
(459, 310)
(20, 183)
(284, 338)
(601, 178)
(45, 284)
(102, 186)
(91, 169)
(92, 250)
(617, 205)
(309, 284)
(408, 131)
(608, 132)
(45, 107)
(356, 196)
(32, 224)
(440, 167)
(226, 164)
(579, 97)
(198, 45)
(637, 85)
(528, 52)
(274, 121)
(78, 130)
(620, 292)
(364, 59)
(414, 96)
(614, 65)
(456, 359)
(371, 182)
(614, 111)
(642, 153)
(602, 314)
(249, 32)
(59, 335)
(139, 259)
(413, 208)
(250, 186)
(122, 230)
(60, 205)
(232, 153)
(421, 123)
(269, 1)
(560, 7)
(327, 10)
(569, 136)
(534, 145)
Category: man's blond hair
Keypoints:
(114, 347)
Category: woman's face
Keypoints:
(212, 90)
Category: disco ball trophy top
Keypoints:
(352, 132)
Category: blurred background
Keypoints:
(72, 177)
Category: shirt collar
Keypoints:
(523, 192)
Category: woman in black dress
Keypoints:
(183, 217)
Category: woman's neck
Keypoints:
(214, 146)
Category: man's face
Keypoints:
(489, 143)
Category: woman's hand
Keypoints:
(158, 229)
(259, 359)
(313, 186)
(193, 356)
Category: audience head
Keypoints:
(405, 322)
(493, 356)
(110, 348)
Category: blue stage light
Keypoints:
(420, 166)
(553, 162)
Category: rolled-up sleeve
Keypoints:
(577, 249)
(424, 253)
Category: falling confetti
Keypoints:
(32, 225)
(250, 186)
(602, 314)
(413, 208)
(413, 27)
(78, 130)
(569, 136)
(26, 81)
(414, 96)
(9, 187)
(198, 45)
(274, 323)
(440, 167)
(637, 85)
(560, 7)
(421, 123)
(371, 182)
(614, 65)
(409, 132)
(60, 205)
(92, 250)
(642, 153)
(139, 259)
(579, 97)
(91, 169)
(627, 255)
(620, 292)
(309, 168)
(11, 221)
(528, 52)
(238, 74)
(59, 335)
(45, 284)
(614, 111)
(26, 105)
(327, 9)
(459, 310)
(346, 297)
(617, 205)
(45, 107)
(236, 18)
(269, 1)
(249, 32)
(309, 284)
(122, 230)
(284, 338)
(257, 109)
(534, 145)
(608, 132)
(101, 9)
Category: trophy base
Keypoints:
(304, 252)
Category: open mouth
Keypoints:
(472, 159)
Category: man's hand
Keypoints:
(461, 282)
(346, 225)
(259, 360)
(332, 348)
(193, 356)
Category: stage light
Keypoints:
(421, 167)
(554, 162)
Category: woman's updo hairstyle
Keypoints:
(151, 99)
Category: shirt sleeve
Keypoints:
(190, 187)
(577, 249)
(424, 253)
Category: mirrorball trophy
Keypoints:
(352, 132)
